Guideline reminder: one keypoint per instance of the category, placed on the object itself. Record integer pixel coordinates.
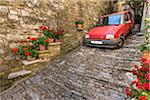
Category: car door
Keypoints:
(131, 18)
(126, 24)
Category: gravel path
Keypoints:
(83, 74)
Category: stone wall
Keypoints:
(25, 16)
(21, 18)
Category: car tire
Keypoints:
(121, 42)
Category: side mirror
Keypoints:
(128, 22)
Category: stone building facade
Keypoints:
(21, 18)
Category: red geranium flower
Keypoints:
(136, 66)
(142, 68)
(33, 39)
(134, 72)
(139, 85)
(142, 98)
(141, 74)
(147, 76)
(14, 50)
(21, 41)
(27, 53)
(147, 69)
(43, 28)
(26, 49)
(127, 91)
(59, 33)
(62, 31)
(55, 32)
(28, 37)
(147, 86)
(143, 60)
(47, 40)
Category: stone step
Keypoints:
(19, 73)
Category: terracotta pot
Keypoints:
(79, 26)
(146, 55)
(42, 47)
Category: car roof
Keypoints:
(122, 12)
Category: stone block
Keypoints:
(25, 62)
(19, 73)
(13, 45)
(13, 12)
(44, 55)
(1, 51)
(13, 17)
(4, 9)
(25, 13)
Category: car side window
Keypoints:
(126, 17)
(130, 15)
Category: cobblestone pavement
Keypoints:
(83, 74)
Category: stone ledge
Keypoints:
(54, 43)
(19, 73)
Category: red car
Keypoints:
(110, 31)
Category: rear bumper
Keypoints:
(105, 43)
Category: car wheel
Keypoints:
(121, 42)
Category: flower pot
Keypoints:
(29, 58)
(79, 27)
(146, 55)
(42, 47)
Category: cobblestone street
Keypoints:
(83, 74)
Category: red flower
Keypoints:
(143, 60)
(134, 72)
(47, 40)
(55, 32)
(141, 74)
(127, 91)
(133, 82)
(142, 98)
(147, 86)
(33, 39)
(59, 33)
(28, 37)
(14, 50)
(136, 66)
(62, 31)
(147, 76)
(42, 28)
(147, 69)
(139, 85)
(27, 53)
(142, 68)
(21, 41)
(26, 49)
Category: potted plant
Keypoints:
(41, 42)
(145, 49)
(79, 24)
(54, 33)
(27, 52)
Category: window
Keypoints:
(113, 19)
(126, 17)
